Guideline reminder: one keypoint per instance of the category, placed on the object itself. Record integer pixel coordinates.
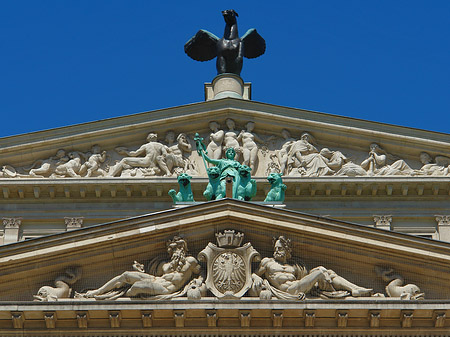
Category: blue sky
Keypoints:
(68, 62)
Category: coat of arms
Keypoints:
(229, 264)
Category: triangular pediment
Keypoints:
(336, 141)
(104, 251)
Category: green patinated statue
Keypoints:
(244, 188)
(277, 188)
(185, 193)
(214, 190)
(247, 186)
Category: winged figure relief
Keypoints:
(229, 50)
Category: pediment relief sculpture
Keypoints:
(275, 277)
(262, 151)
(396, 287)
(228, 274)
(62, 288)
(167, 279)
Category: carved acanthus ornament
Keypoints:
(12, 223)
(73, 222)
(383, 221)
(443, 220)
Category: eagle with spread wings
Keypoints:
(229, 50)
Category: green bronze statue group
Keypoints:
(243, 187)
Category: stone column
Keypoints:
(12, 226)
(73, 223)
(383, 221)
(443, 227)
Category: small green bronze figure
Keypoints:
(214, 189)
(185, 193)
(277, 189)
(247, 186)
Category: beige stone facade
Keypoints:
(86, 216)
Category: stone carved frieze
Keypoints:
(229, 265)
(229, 275)
(263, 151)
(62, 288)
(396, 287)
(171, 279)
(276, 277)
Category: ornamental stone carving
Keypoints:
(383, 221)
(396, 286)
(276, 277)
(229, 265)
(264, 152)
(62, 288)
(171, 279)
(73, 223)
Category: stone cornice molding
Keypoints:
(342, 234)
(270, 115)
(134, 314)
(297, 188)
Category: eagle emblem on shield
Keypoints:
(229, 264)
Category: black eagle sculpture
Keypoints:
(229, 50)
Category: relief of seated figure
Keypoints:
(293, 282)
(177, 157)
(376, 163)
(306, 160)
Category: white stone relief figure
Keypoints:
(69, 169)
(231, 138)
(92, 166)
(48, 166)
(396, 286)
(306, 159)
(62, 287)
(432, 167)
(169, 277)
(154, 155)
(249, 147)
(340, 164)
(216, 137)
(7, 171)
(286, 281)
(283, 154)
(177, 157)
(376, 163)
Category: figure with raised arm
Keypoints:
(228, 167)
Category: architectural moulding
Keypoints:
(12, 227)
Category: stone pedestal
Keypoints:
(227, 85)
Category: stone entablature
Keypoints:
(245, 317)
(330, 187)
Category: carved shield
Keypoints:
(229, 271)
